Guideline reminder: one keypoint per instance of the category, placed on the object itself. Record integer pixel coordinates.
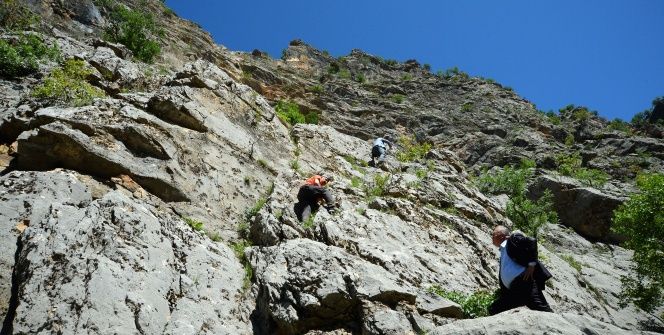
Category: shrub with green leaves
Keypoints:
(410, 150)
(474, 305)
(194, 224)
(24, 55)
(398, 98)
(571, 165)
(528, 215)
(379, 185)
(67, 85)
(620, 125)
(137, 30)
(289, 113)
(509, 180)
(641, 220)
(238, 248)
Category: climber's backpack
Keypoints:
(522, 249)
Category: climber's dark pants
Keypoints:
(308, 197)
(521, 293)
(378, 152)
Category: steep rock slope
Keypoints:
(102, 204)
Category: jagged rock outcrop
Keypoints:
(588, 210)
(89, 259)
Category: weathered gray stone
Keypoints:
(116, 264)
(589, 211)
(524, 321)
(306, 285)
(435, 304)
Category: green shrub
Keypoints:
(289, 112)
(333, 68)
(16, 16)
(467, 107)
(510, 180)
(475, 305)
(569, 140)
(344, 74)
(135, 29)
(379, 185)
(620, 125)
(426, 67)
(391, 62)
(355, 181)
(407, 77)
(591, 177)
(194, 224)
(641, 220)
(23, 57)
(553, 117)
(398, 98)
(317, 89)
(67, 85)
(568, 163)
(571, 165)
(360, 78)
(528, 215)
(410, 150)
(526, 163)
(311, 118)
(238, 249)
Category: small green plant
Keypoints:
(289, 113)
(571, 165)
(194, 224)
(67, 85)
(262, 163)
(528, 215)
(379, 185)
(309, 222)
(474, 305)
(316, 89)
(137, 30)
(572, 262)
(553, 117)
(361, 210)
(333, 68)
(410, 150)
(311, 118)
(426, 67)
(295, 165)
(641, 220)
(398, 98)
(216, 237)
(344, 74)
(355, 181)
(391, 62)
(239, 248)
(360, 78)
(510, 180)
(23, 57)
(421, 173)
(407, 77)
(467, 107)
(569, 140)
(620, 125)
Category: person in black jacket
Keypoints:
(521, 275)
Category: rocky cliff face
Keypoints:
(167, 205)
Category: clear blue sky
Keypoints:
(604, 54)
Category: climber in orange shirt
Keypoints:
(312, 195)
